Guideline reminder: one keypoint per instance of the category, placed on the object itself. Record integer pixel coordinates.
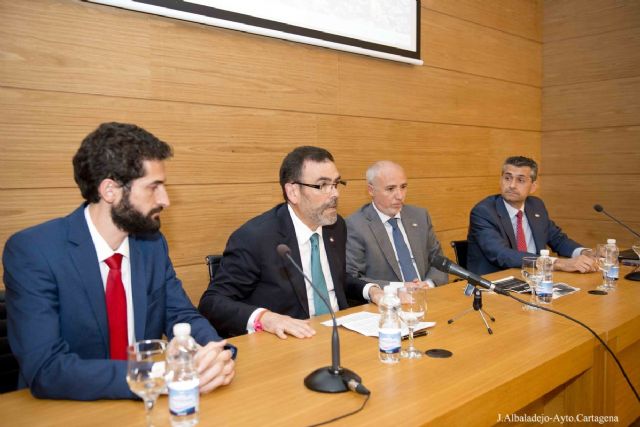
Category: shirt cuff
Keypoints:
(577, 252)
(365, 290)
(252, 319)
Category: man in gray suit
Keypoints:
(389, 242)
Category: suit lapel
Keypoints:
(138, 287)
(335, 266)
(380, 233)
(288, 237)
(507, 226)
(537, 229)
(85, 260)
(417, 246)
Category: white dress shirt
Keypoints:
(104, 252)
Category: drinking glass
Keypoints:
(604, 264)
(532, 275)
(413, 306)
(145, 372)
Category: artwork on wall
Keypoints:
(388, 29)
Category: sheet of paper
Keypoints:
(366, 323)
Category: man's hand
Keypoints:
(375, 294)
(282, 325)
(215, 366)
(581, 263)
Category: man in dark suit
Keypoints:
(390, 242)
(79, 289)
(507, 227)
(255, 289)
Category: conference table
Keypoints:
(535, 367)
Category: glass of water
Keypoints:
(532, 275)
(413, 306)
(145, 372)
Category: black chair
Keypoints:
(213, 262)
(460, 249)
(8, 364)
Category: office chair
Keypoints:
(8, 364)
(213, 262)
(460, 250)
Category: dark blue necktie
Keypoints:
(318, 278)
(404, 256)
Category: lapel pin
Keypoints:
(537, 215)
(331, 239)
(414, 224)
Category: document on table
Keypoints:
(366, 323)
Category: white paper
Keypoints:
(366, 323)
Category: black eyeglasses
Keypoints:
(325, 187)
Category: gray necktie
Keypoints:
(404, 255)
(318, 277)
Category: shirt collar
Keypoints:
(103, 249)
(303, 233)
(384, 217)
(511, 210)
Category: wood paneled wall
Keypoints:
(233, 104)
(591, 116)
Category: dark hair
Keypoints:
(115, 151)
(291, 167)
(521, 162)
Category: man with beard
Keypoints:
(389, 242)
(506, 227)
(80, 289)
(255, 289)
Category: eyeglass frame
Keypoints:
(329, 185)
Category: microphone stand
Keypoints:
(476, 306)
(334, 378)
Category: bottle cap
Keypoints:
(181, 329)
(544, 252)
(611, 241)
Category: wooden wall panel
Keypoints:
(389, 90)
(232, 104)
(575, 18)
(592, 151)
(606, 56)
(454, 44)
(591, 116)
(523, 18)
(592, 105)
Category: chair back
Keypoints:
(213, 262)
(460, 250)
(8, 364)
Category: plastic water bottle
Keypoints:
(182, 377)
(545, 288)
(389, 335)
(612, 261)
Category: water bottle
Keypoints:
(389, 335)
(545, 288)
(612, 262)
(182, 377)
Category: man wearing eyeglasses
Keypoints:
(389, 242)
(505, 228)
(255, 289)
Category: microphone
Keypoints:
(334, 378)
(599, 208)
(447, 266)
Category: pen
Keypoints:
(418, 334)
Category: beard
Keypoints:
(129, 219)
(319, 216)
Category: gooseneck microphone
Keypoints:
(599, 208)
(334, 378)
(447, 266)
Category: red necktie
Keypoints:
(116, 309)
(522, 241)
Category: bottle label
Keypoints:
(613, 272)
(184, 397)
(389, 340)
(545, 288)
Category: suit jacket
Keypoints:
(492, 241)
(252, 274)
(57, 319)
(370, 254)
